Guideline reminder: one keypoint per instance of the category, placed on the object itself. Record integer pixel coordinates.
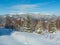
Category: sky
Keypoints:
(28, 6)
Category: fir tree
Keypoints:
(52, 27)
(38, 28)
(27, 25)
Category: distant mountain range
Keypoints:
(32, 16)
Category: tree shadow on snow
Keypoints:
(5, 31)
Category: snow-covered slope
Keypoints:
(8, 40)
(24, 38)
(33, 39)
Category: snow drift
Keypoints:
(33, 39)
(25, 38)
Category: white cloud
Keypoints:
(23, 8)
(27, 7)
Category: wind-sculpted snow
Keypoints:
(33, 39)
(24, 38)
(8, 40)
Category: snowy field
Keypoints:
(24, 38)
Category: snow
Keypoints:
(8, 40)
(33, 39)
(25, 38)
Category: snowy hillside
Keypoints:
(33, 39)
(8, 40)
(24, 38)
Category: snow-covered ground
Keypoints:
(8, 40)
(24, 38)
(33, 39)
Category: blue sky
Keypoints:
(26, 6)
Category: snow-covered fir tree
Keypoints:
(52, 27)
(27, 25)
(39, 28)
